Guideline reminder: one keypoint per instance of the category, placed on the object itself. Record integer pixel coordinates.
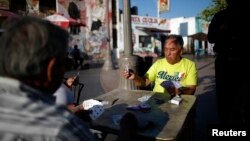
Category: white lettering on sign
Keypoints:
(216, 132)
(149, 20)
(144, 20)
(135, 19)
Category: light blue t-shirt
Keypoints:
(64, 96)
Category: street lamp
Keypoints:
(128, 60)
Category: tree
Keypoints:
(216, 6)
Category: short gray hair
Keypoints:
(27, 45)
(177, 39)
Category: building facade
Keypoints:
(96, 25)
(148, 34)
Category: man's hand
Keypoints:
(129, 74)
(73, 80)
(81, 112)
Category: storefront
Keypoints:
(147, 33)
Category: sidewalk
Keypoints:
(98, 82)
(206, 111)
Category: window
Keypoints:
(144, 41)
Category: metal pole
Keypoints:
(128, 51)
(158, 9)
(57, 11)
(108, 65)
(128, 59)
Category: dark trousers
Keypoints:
(78, 62)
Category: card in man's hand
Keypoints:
(167, 84)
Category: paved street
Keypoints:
(205, 106)
(206, 112)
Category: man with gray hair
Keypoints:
(172, 69)
(32, 53)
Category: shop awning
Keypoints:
(199, 36)
(58, 20)
(153, 29)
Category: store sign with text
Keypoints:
(149, 21)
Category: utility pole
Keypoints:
(128, 60)
(108, 65)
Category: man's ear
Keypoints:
(54, 75)
(50, 69)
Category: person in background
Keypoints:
(171, 68)
(78, 58)
(64, 95)
(32, 54)
(231, 46)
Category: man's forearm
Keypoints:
(139, 81)
(75, 109)
(186, 90)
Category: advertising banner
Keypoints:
(163, 6)
(32, 7)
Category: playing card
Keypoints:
(176, 84)
(176, 100)
(143, 106)
(133, 107)
(144, 98)
(167, 84)
(95, 106)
